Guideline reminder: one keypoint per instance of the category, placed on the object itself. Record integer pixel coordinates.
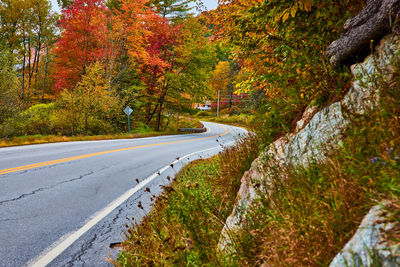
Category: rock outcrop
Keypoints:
(370, 246)
(314, 137)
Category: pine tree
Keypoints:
(173, 9)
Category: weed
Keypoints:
(314, 211)
(184, 225)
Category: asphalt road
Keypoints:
(62, 204)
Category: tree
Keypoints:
(82, 42)
(185, 60)
(221, 76)
(377, 19)
(43, 38)
(173, 9)
(9, 84)
(90, 105)
(134, 18)
(193, 60)
(160, 46)
(27, 26)
(64, 3)
(280, 44)
(11, 16)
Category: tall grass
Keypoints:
(184, 226)
(314, 211)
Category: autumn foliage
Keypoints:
(84, 26)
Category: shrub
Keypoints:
(38, 119)
(203, 113)
(88, 107)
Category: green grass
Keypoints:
(184, 225)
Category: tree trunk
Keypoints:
(111, 60)
(150, 116)
(230, 96)
(23, 71)
(158, 124)
(44, 73)
(377, 19)
(37, 65)
(159, 103)
(29, 66)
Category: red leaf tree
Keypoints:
(83, 35)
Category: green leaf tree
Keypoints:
(173, 9)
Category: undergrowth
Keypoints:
(140, 131)
(241, 120)
(185, 222)
(312, 212)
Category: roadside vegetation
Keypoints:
(69, 76)
(184, 225)
(306, 221)
(40, 134)
(242, 120)
(314, 211)
(72, 74)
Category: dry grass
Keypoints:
(40, 139)
(315, 210)
(184, 225)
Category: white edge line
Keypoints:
(54, 250)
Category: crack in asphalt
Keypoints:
(47, 188)
(77, 256)
(17, 219)
(103, 234)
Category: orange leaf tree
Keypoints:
(83, 28)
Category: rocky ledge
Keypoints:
(317, 134)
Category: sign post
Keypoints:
(218, 104)
(128, 112)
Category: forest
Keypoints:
(73, 73)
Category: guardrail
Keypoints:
(192, 130)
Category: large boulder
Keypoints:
(314, 137)
(370, 246)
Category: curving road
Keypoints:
(62, 204)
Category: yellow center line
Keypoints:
(52, 162)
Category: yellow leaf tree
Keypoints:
(87, 108)
(221, 78)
